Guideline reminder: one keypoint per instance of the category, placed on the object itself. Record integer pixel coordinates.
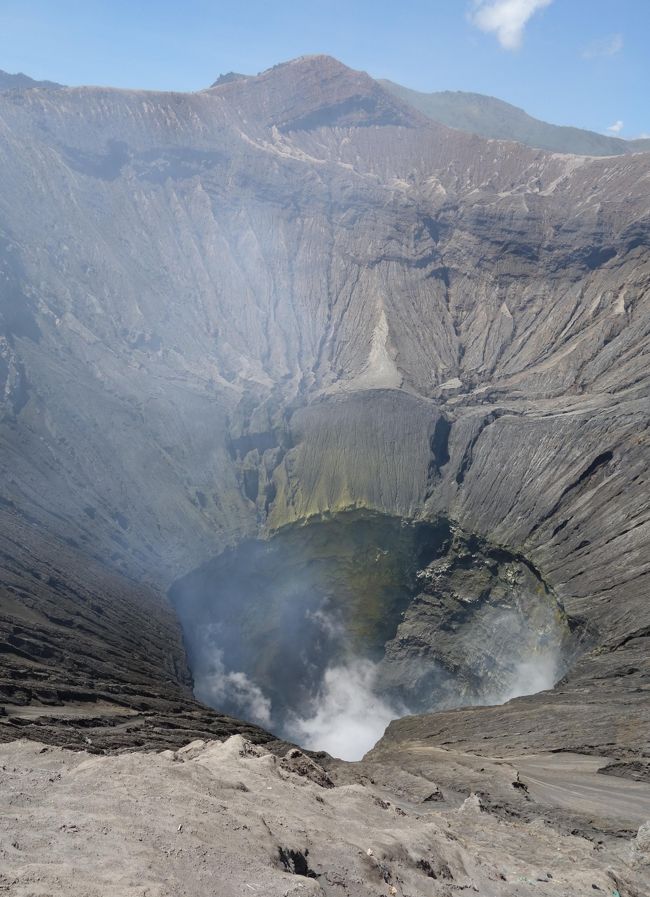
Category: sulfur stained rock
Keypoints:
(289, 296)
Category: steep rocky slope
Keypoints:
(230, 819)
(292, 296)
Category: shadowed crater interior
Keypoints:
(328, 630)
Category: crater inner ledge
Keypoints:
(326, 631)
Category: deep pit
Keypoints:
(326, 631)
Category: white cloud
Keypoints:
(616, 128)
(506, 18)
(606, 46)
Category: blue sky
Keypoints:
(581, 62)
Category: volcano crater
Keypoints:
(325, 631)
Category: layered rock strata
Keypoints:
(289, 296)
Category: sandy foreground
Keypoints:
(229, 819)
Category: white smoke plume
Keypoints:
(216, 686)
(531, 676)
(538, 660)
(348, 717)
(320, 695)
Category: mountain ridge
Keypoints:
(19, 81)
(290, 296)
(493, 118)
(479, 114)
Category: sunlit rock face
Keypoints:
(329, 630)
(291, 296)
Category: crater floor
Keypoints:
(326, 631)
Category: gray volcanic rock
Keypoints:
(229, 312)
(490, 117)
(21, 82)
(483, 628)
(227, 77)
(229, 818)
(90, 658)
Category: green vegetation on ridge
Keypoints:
(493, 118)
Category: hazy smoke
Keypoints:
(531, 676)
(530, 652)
(218, 687)
(300, 672)
(348, 718)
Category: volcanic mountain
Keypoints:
(290, 330)
(492, 118)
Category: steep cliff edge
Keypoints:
(228, 312)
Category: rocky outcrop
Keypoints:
(482, 629)
(292, 295)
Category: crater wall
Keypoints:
(291, 296)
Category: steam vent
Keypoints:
(324, 503)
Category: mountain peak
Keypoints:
(315, 91)
(228, 77)
(19, 81)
